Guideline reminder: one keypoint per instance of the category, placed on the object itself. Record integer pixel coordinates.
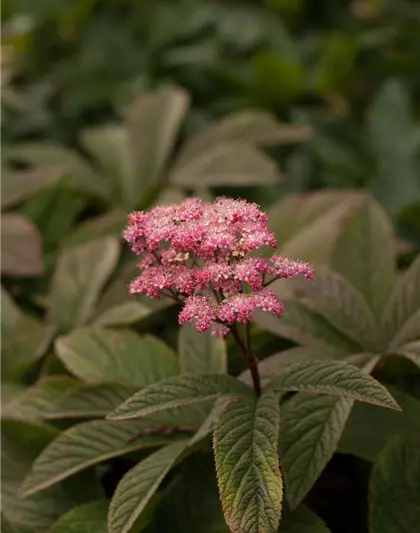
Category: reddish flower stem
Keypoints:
(250, 358)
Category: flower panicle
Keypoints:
(199, 254)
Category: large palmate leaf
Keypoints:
(138, 486)
(201, 353)
(334, 377)
(80, 276)
(85, 445)
(306, 225)
(86, 518)
(18, 186)
(401, 319)
(364, 254)
(395, 488)
(311, 428)
(247, 463)
(179, 391)
(369, 427)
(79, 174)
(89, 401)
(251, 126)
(96, 355)
(332, 296)
(305, 326)
(153, 121)
(21, 247)
(411, 351)
(233, 164)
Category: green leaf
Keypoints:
(87, 444)
(21, 247)
(411, 352)
(179, 391)
(79, 278)
(86, 518)
(34, 401)
(191, 502)
(251, 126)
(21, 441)
(311, 428)
(123, 314)
(7, 527)
(20, 351)
(302, 520)
(277, 363)
(201, 353)
(305, 326)
(79, 173)
(153, 123)
(332, 69)
(10, 313)
(401, 318)
(107, 225)
(395, 488)
(18, 186)
(307, 225)
(247, 463)
(333, 377)
(391, 128)
(364, 254)
(369, 427)
(109, 146)
(277, 78)
(96, 355)
(342, 305)
(234, 164)
(89, 401)
(138, 486)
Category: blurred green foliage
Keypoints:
(348, 69)
(307, 107)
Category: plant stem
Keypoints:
(250, 358)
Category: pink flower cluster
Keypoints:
(198, 254)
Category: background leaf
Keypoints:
(395, 488)
(369, 427)
(21, 246)
(96, 354)
(201, 353)
(364, 255)
(401, 317)
(80, 276)
(137, 487)
(86, 518)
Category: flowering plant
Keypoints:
(198, 254)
